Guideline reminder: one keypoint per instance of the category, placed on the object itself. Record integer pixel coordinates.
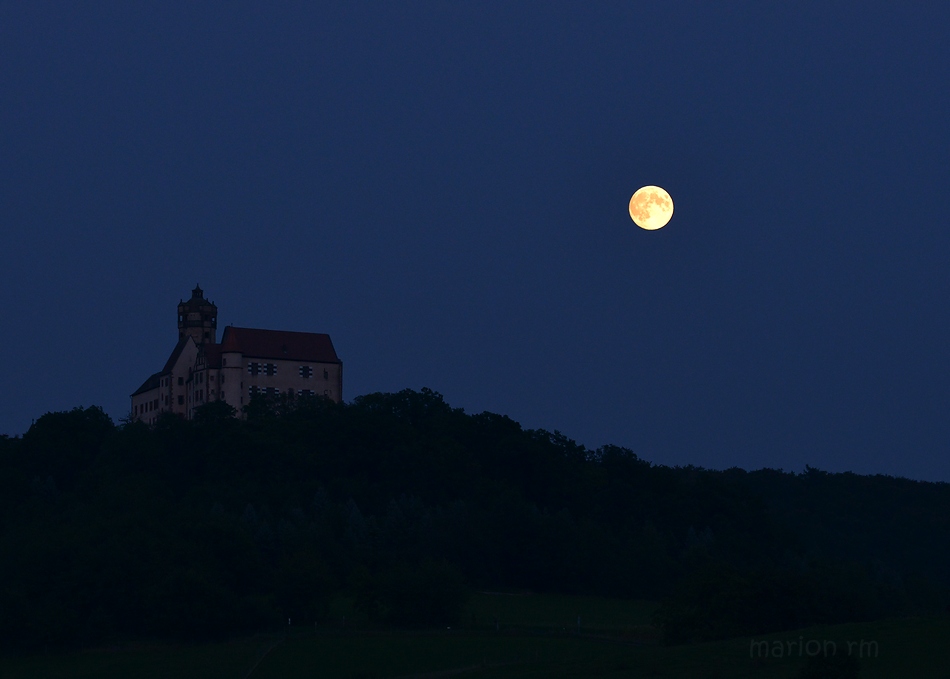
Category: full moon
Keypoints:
(651, 208)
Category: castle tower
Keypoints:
(198, 318)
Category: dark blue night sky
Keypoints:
(442, 187)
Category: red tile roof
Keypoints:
(277, 344)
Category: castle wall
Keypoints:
(243, 377)
(147, 405)
(323, 379)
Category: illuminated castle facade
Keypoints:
(247, 362)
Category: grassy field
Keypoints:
(536, 637)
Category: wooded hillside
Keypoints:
(222, 526)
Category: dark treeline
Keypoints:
(220, 526)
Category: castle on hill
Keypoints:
(247, 362)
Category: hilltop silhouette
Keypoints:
(219, 526)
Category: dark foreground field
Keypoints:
(536, 636)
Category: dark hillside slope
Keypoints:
(217, 526)
(901, 526)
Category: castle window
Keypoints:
(224, 361)
(222, 379)
(181, 381)
(266, 368)
(305, 392)
(326, 375)
(263, 391)
(181, 400)
(306, 371)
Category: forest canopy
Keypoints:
(221, 526)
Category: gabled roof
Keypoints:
(279, 344)
(151, 383)
(176, 353)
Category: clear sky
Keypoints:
(442, 187)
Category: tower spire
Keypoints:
(198, 318)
